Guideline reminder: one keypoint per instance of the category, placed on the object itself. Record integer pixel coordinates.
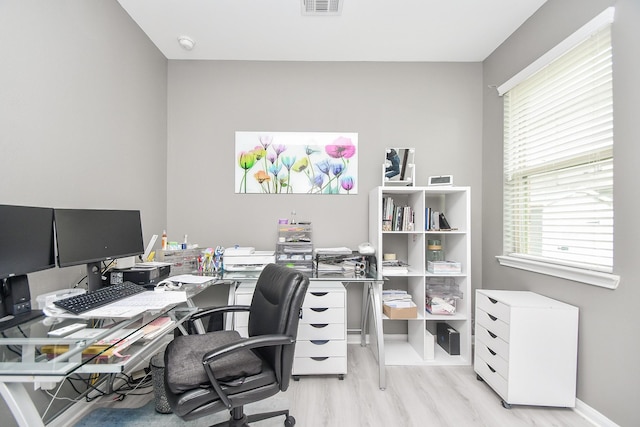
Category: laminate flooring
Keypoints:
(442, 396)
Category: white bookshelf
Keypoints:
(410, 346)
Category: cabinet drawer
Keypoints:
(321, 348)
(323, 299)
(321, 331)
(319, 365)
(493, 324)
(493, 359)
(494, 342)
(493, 307)
(240, 319)
(322, 315)
(491, 377)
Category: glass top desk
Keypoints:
(29, 354)
(371, 314)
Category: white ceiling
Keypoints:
(367, 30)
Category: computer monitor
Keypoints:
(26, 246)
(91, 236)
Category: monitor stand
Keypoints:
(94, 276)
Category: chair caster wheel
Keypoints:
(289, 421)
(506, 405)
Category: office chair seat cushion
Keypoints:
(183, 361)
(194, 403)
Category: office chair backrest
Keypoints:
(275, 309)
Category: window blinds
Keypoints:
(558, 159)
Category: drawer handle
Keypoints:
(493, 353)
(319, 325)
(319, 342)
(494, 318)
(319, 294)
(319, 310)
(319, 359)
(489, 366)
(492, 334)
(493, 301)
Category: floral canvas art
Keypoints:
(296, 162)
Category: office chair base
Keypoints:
(240, 419)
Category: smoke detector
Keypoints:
(186, 43)
(321, 7)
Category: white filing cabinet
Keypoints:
(321, 347)
(322, 332)
(526, 347)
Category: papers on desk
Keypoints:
(137, 304)
(125, 308)
(152, 264)
(190, 278)
(333, 251)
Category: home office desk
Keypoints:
(23, 359)
(370, 319)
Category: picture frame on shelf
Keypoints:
(398, 168)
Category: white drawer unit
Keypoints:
(321, 347)
(526, 347)
(322, 333)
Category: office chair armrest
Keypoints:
(213, 310)
(246, 344)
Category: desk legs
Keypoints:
(20, 404)
(372, 312)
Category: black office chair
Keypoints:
(218, 371)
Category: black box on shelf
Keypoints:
(448, 338)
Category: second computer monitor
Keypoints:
(90, 236)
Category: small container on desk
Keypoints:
(183, 261)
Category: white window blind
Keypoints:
(558, 160)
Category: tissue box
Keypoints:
(400, 312)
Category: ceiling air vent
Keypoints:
(321, 7)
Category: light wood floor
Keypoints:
(415, 396)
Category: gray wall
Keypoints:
(82, 117)
(435, 108)
(608, 372)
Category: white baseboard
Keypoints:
(593, 416)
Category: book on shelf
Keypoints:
(396, 217)
(436, 220)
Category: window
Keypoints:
(558, 160)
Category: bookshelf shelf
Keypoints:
(399, 223)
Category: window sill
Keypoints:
(590, 277)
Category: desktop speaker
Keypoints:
(17, 298)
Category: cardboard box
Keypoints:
(400, 312)
(448, 338)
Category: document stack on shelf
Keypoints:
(394, 266)
(398, 304)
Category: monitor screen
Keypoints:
(26, 240)
(89, 235)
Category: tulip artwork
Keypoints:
(296, 162)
